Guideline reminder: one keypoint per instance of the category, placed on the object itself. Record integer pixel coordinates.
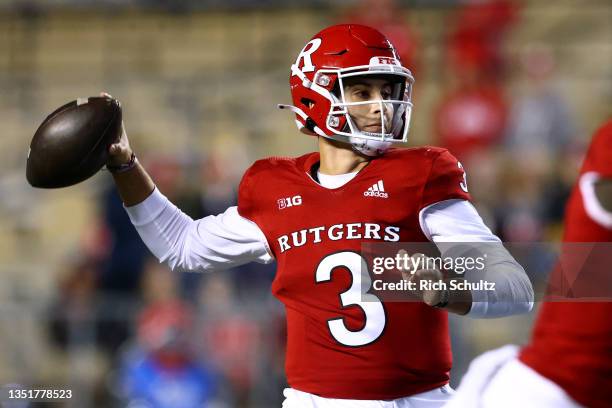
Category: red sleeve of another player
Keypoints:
(599, 156)
(446, 180)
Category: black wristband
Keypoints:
(125, 166)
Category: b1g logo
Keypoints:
(289, 202)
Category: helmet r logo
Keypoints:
(306, 54)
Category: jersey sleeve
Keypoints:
(447, 180)
(454, 220)
(599, 156)
(214, 242)
(246, 198)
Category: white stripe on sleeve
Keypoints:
(592, 206)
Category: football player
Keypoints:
(312, 213)
(568, 362)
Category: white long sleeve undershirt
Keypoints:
(228, 239)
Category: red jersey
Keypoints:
(337, 345)
(572, 341)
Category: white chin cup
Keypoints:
(369, 147)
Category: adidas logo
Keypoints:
(377, 190)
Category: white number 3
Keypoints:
(356, 295)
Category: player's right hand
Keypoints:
(120, 152)
(432, 296)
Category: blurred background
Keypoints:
(513, 88)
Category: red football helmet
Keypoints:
(334, 54)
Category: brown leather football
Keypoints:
(72, 143)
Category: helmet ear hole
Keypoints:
(309, 103)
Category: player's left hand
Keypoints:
(420, 273)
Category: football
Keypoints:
(72, 143)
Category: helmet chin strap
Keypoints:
(369, 147)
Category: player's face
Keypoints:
(367, 116)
